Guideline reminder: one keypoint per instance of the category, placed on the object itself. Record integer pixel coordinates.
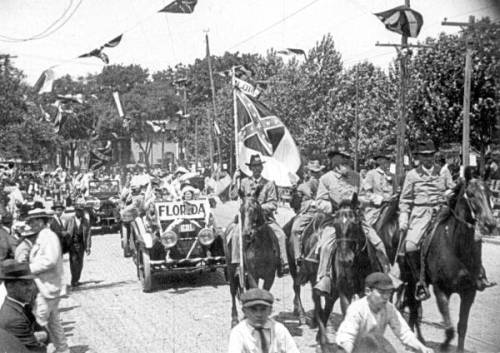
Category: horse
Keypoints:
(260, 251)
(352, 261)
(453, 259)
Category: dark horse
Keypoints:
(260, 251)
(350, 263)
(452, 261)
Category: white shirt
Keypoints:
(244, 338)
(360, 320)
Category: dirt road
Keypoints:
(110, 313)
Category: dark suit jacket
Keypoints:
(71, 229)
(14, 320)
(57, 227)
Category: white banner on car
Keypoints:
(194, 209)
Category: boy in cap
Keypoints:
(257, 332)
(370, 315)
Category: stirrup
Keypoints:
(421, 291)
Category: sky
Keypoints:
(158, 40)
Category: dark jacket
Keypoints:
(71, 229)
(21, 324)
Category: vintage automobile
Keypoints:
(175, 237)
(103, 203)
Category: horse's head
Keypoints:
(347, 230)
(478, 198)
(252, 216)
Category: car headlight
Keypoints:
(168, 239)
(206, 236)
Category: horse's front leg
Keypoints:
(443, 303)
(298, 308)
(234, 310)
(344, 303)
(466, 300)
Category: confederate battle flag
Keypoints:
(262, 132)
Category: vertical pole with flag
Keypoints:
(237, 162)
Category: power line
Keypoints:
(274, 24)
(49, 30)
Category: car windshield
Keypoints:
(101, 187)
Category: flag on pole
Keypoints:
(246, 87)
(100, 156)
(45, 82)
(262, 132)
(99, 53)
(180, 6)
(402, 20)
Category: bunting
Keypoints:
(402, 20)
(99, 53)
(162, 125)
(292, 51)
(45, 82)
(180, 6)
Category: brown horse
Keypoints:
(260, 252)
(452, 262)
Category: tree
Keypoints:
(436, 91)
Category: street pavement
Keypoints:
(110, 313)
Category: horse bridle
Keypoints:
(470, 225)
(350, 240)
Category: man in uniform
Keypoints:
(375, 189)
(78, 228)
(267, 199)
(337, 185)
(421, 198)
(307, 193)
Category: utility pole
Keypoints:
(356, 124)
(404, 53)
(467, 87)
(214, 116)
(210, 142)
(196, 143)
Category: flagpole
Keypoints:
(237, 161)
(214, 116)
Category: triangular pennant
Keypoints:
(180, 6)
(45, 82)
(113, 42)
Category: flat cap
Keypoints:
(379, 280)
(256, 296)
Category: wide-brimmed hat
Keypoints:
(256, 296)
(23, 229)
(379, 280)
(57, 204)
(12, 269)
(314, 166)
(338, 151)
(187, 188)
(38, 213)
(255, 160)
(426, 147)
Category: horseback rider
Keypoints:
(307, 193)
(268, 201)
(338, 185)
(421, 198)
(376, 189)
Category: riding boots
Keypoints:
(421, 290)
